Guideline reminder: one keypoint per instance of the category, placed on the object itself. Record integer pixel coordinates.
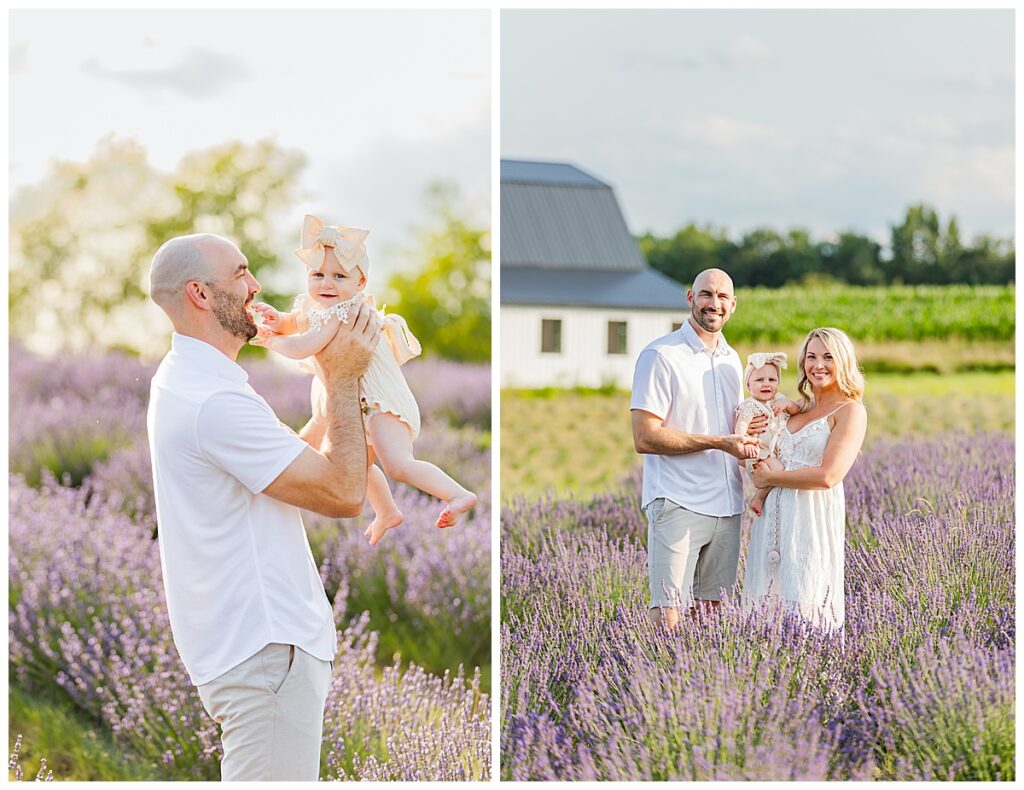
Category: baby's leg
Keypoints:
(760, 494)
(393, 445)
(386, 513)
(757, 501)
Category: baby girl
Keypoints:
(338, 267)
(762, 380)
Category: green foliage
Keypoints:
(83, 237)
(922, 252)
(581, 444)
(447, 303)
(435, 644)
(875, 313)
(75, 747)
(69, 458)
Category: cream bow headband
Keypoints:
(760, 359)
(346, 244)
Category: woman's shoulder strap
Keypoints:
(840, 406)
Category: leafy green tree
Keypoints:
(447, 303)
(853, 258)
(757, 257)
(987, 260)
(83, 237)
(922, 252)
(916, 247)
(690, 251)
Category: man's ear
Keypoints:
(197, 295)
(689, 298)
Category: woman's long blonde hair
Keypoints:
(848, 375)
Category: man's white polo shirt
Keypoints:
(694, 390)
(238, 572)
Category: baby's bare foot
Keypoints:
(381, 524)
(457, 507)
(757, 504)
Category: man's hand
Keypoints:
(348, 353)
(736, 444)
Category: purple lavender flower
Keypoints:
(87, 612)
(919, 686)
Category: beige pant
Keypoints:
(271, 712)
(689, 555)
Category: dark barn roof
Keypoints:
(564, 241)
(645, 289)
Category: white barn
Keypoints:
(578, 300)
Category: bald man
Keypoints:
(248, 611)
(686, 387)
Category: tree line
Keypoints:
(81, 241)
(922, 251)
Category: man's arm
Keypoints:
(313, 433)
(651, 436)
(332, 481)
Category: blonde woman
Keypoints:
(796, 552)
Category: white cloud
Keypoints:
(723, 132)
(743, 52)
(932, 126)
(200, 73)
(659, 60)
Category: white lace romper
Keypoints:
(767, 442)
(382, 388)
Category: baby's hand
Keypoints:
(750, 450)
(271, 318)
(790, 406)
(264, 336)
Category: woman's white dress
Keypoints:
(795, 558)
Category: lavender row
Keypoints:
(84, 419)
(68, 414)
(87, 614)
(919, 687)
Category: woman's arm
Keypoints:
(840, 453)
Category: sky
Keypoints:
(382, 104)
(825, 120)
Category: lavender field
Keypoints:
(88, 623)
(920, 686)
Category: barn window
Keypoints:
(616, 337)
(551, 336)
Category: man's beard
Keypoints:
(704, 323)
(230, 314)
